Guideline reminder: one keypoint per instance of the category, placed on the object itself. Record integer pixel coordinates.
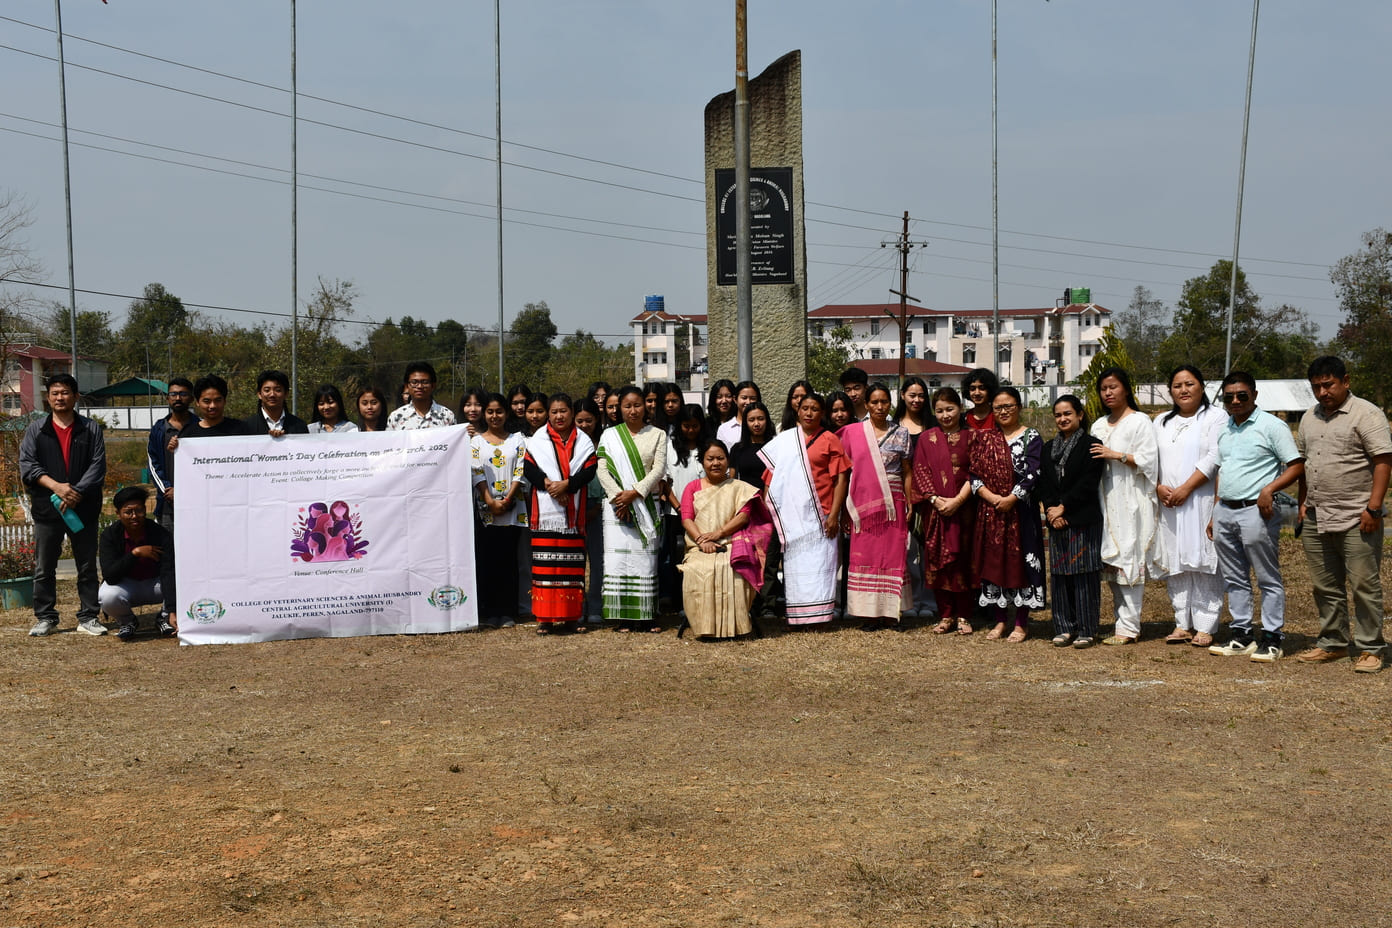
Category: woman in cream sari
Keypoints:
(713, 509)
(632, 463)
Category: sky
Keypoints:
(1119, 137)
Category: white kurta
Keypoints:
(1129, 507)
(1187, 445)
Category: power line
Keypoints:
(476, 329)
(363, 132)
(598, 161)
(354, 106)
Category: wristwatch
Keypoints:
(1375, 513)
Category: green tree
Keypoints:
(1266, 343)
(1143, 326)
(94, 335)
(1363, 281)
(827, 357)
(1110, 353)
(529, 348)
(150, 322)
(587, 359)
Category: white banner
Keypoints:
(309, 536)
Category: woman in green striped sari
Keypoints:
(632, 462)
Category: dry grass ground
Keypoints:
(837, 779)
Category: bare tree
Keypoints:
(18, 266)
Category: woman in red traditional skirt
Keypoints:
(560, 461)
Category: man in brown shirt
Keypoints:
(1348, 459)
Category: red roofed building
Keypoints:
(669, 347)
(28, 366)
(1049, 345)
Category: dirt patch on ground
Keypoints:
(837, 779)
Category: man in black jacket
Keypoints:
(137, 565)
(271, 416)
(63, 455)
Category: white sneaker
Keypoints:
(43, 627)
(91, 627)
(1234, 648)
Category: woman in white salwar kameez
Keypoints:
(1187, 437)
(1129, 507)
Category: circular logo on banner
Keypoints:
(446, 597)
(206, 611)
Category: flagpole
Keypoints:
(1241, 179)
(67, 183)
(294, 219)
(498, 125)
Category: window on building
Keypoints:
(874, 327)
(817, 329)
(930, 327)
(969, 353)
(12, 403)
(874, 354)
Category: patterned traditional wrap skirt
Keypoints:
(558, 576)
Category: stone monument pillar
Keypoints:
(778, 246)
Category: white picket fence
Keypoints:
(10, 534)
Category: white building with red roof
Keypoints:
(1049, 345)
(669, 347)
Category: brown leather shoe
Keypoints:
(1321, 655)
(1368, 663)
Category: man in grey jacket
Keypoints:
(64, 455)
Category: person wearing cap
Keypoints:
(1348, 459)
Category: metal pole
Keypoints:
(995, 212)
(903, 299)
(67, 184)
(294, 221)
(744, 296)
(1241, 179)
(498, 126)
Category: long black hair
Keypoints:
(901, 409)
(690, 412)
(711, 411)
(747, 437)
(1124, 379)
(1203, 394)
(789, 413)
(381, 424)
(330, 392)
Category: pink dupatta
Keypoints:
(870, 499)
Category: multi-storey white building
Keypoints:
(670, 347)
(1037, 346)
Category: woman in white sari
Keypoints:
(632, 463)
(713, 508)
(1188, 440)
(1129, 507)
(808, 476)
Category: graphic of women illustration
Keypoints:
(328, 533)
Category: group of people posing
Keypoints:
(631, 503)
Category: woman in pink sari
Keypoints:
(941, 490)
(879, 452)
